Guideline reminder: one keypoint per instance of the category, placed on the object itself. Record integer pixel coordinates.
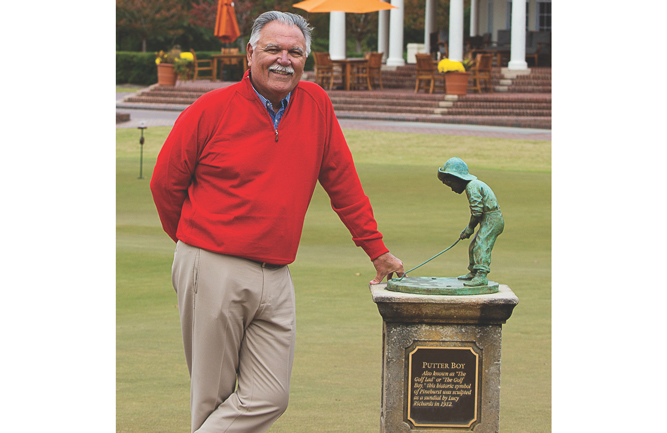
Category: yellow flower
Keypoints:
(157, 61)
(187, 56)
(446, 65)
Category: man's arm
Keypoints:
(340, 180)
(173, 172)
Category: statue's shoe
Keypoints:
(468, 276)
(478, 280)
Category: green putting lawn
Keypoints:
(337, 367)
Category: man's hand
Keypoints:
(385, 265)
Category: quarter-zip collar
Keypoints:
(275, 116)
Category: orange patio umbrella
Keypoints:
(353, 6)
(226, 27)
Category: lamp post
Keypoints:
(141, 126)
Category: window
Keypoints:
(543, 18)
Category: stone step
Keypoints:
(496, 105)
(180, 96)
(456, 111)
(506, 86)
(507, 97)
(377, 94)
(522, 112)
(515, 84)
(442, 103)
(148, 99)
(381, 108)
(439, 96)
(510, 121)
(162, 93)
(527, 89)
(535, 76)
(473, 100)
(531, 80)
(411, 84)
(403, 102)
(179, 89)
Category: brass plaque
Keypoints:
(443, 384)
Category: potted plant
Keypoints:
(456, 75)
(184, 66)
(166, 75)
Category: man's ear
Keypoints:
(249, 54)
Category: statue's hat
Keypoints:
(457, 167)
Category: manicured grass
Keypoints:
(337, 368)
(128, 89)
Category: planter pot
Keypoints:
(166, 76)
(456, 83)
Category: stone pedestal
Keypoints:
(441, 360)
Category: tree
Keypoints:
(203, 14)
(150, 18)
(245, 14)
(360, 26)
(248, 10)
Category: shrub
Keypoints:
(140, 68)
(135, 68)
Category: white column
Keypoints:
(337, 35)
(429, 24)
(456, 30)
(383, 34)
(518, 48)
(396, 35)
(474, 6)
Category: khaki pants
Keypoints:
(238, 325)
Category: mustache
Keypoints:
(282, 69)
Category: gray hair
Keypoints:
(283, 17)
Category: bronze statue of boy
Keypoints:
(484, 211)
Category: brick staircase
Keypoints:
(519, 110)
(538, 81)
(523, 101)
(166, 95)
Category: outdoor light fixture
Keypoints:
(142, 126)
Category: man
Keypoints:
(232, 185)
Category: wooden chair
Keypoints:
(230, 51)
(481, 71)
(504, 38)
(428, 74)
(433, 42)
(324, 69)
(201, 65)
(375, 68)
(473, 42)
(537, 43)
(229, 62)
(360, 75)
(443, 44)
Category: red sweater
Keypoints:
(228, 182)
